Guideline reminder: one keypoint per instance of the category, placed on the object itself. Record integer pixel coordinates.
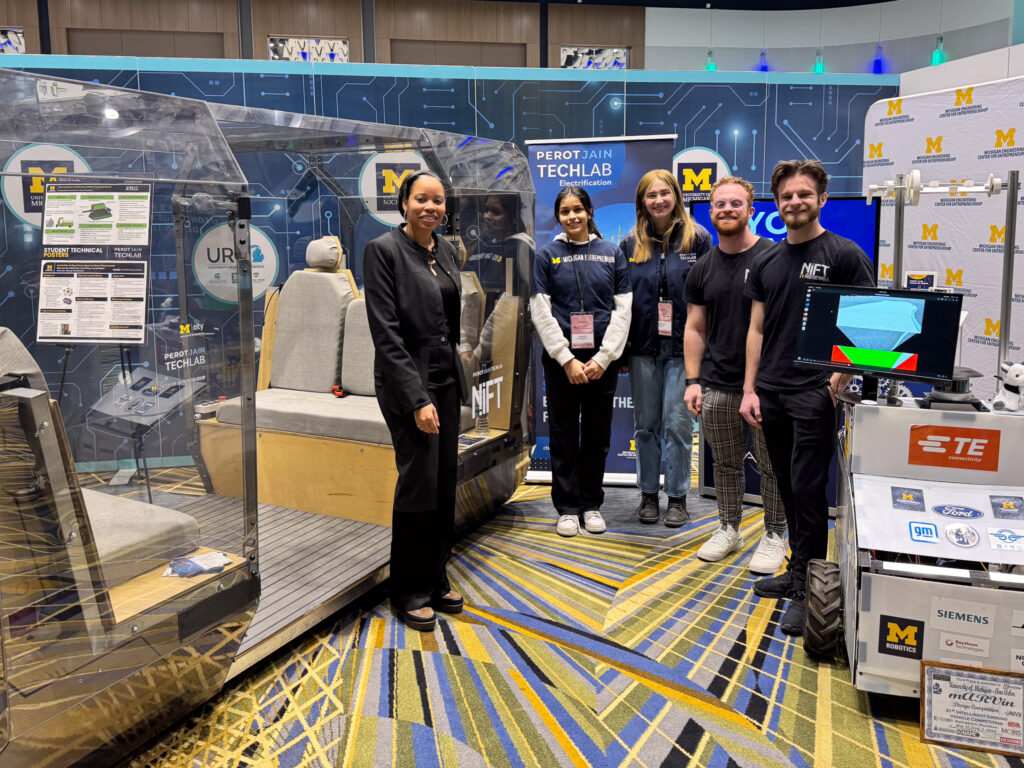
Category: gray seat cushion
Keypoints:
(358, 354)
(133, 537)
(314, 413)
(309, 331)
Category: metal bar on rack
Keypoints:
(900, 193)
(1009, 244)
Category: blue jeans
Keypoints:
(661, 416)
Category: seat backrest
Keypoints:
(357, 369)
(15, 360)
(310, 331)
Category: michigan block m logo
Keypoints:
(954, 277)
(997, 234)
(392, 181)
(991, 327)
(697, 177)
(903, 635)
(874, 150)
(1005, 138)
(964, 96)
(933, 144)
(885, 271)
(895, 107)
(929, 231)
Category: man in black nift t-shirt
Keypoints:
(715, 348)
(796, 406)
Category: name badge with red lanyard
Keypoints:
(582, 322)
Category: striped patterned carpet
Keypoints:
(614, 650)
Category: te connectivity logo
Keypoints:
(954, 447)
(900, 637)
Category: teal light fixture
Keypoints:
(710, 65)
(938, 55)
(819, 62)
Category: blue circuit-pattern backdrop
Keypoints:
(749, 119)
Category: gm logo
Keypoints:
(697, 177)
(964, 96)
(957, 512)
(874, 150)
(991, 327)
(895, 107)
(900, 637)
(929, 231)
(924, 532)
(933, 144)
(954, 277)
(997, 234)
(1005, 138)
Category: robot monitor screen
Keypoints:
(906, 335)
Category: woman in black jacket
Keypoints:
(413, 292)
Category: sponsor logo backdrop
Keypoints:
(960, 135)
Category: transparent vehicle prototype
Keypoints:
(180, 311)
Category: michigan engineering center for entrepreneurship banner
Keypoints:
(609, 169)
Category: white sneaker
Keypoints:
(724, 541)
(593, 521)
(568, 525)
(769, 555)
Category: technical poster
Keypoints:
(94, 273)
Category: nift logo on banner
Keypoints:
(954, 447)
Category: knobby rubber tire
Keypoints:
(823, 627)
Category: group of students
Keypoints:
(708, 331)
(705, 331)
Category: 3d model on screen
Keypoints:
(876, 326)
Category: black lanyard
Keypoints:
(586, 274)
(662, 276)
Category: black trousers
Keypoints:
(800, 431)
(423, 520)
(580, 425)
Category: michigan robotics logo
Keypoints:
(1007, 507)
(907, 498)
(900, 637)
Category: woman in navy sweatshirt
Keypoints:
(660, 251)
(580, 302)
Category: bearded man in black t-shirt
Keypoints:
(717, 318)
(796, 407)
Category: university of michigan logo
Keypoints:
(697, 169)
(991, 327)
(1005, 138)
(933, 145)
(895, 107)
(389, 178)
(997, 234)
(954, 277)
(874, 150)
(964, 96)
(697, 177)
(380, 180)
(929, 231)
(900, 637)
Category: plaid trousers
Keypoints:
(726, 432)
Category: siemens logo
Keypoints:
(969, 618)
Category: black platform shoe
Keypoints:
(421, 619)
(450, 602)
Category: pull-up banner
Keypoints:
(609, 169)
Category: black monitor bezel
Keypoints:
(880, 374)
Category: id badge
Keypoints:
(664, 318)
(582, 330)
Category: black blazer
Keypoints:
(407, 317)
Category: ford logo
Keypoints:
(957, 512)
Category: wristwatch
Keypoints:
(692, 381)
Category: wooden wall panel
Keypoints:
(308, 18)
(217, 16)
(463, 21)
(22, 13)
(614, 26)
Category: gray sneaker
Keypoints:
(593, 521)
(676, 514)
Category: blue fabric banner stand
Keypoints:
(609, 169)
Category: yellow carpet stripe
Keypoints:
(564, 565)
(553, 726)
(467, 708)
(510, 721)
(823, 720)
(350, 751)
(704, 702)
(652, 727)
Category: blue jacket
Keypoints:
(559, 270)
(645, 279)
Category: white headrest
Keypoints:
(325, 253)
